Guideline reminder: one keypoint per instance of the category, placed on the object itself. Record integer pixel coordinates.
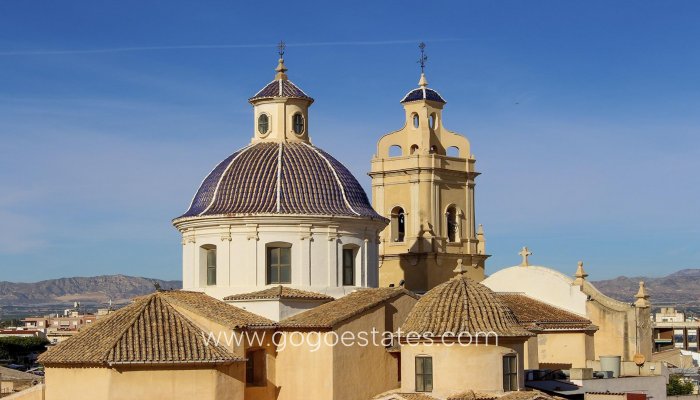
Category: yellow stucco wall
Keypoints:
(343, 372)
(477, 367)
(565, 348)
(222, 383)
(303, 373)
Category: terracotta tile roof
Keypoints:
(468, 395)
(337, 311)
(280, 292)
(461, 305)
(148, 331)
(535, 314)
(215, 310)
(395, 394)
(281, 178)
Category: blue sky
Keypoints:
(583, 117)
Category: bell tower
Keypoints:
(423, 178)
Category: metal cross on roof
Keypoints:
(525, 253)
(281, 46)
(423, 58)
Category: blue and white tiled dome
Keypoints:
(423, 93)
(292, 178)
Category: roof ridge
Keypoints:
(221, 178)
(337, 178)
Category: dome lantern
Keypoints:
(281, 109)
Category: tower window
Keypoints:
(424, 374)
(398, 224)
(431, 121)
(279, 265)
(510, 373)
(263, 124)
(298, 123)
(451, 217)
(414, 149)
(209, 263)
(348, 267)
(395, 151)
(416, 121)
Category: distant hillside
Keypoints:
(89, 290)
(680, 288)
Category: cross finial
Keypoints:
(281, 69)
(423, 58)
(280, 48)
(525, 253)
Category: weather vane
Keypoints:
(281, 46)
(423, 58)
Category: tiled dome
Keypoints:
(280, 88)
(423, 93)
(293, 178)
(461, 305)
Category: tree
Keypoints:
(677, 386)
(16, 348)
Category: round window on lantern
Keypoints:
(263, 124)
(298, 123)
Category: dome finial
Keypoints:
(281, 69)
(423, 82)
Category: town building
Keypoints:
(672, 330)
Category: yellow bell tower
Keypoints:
(423, 180)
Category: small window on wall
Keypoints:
(398, 224)
(263, 124)
(431, 120)
(255, 368)
(209, 253)
(416, 121)
(424, 374)
(510, 373)
(298, 123)
(279, 265)
(348, 267)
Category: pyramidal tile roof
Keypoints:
(148, 331)
(280, 292)
(280, 88)
(461, 305)
(330, 314)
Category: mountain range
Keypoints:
(681, 289)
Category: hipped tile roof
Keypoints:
(537, 315)
(215, 310)
(148, 331)
(329, 315)
(280, 292)
(461, 305)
